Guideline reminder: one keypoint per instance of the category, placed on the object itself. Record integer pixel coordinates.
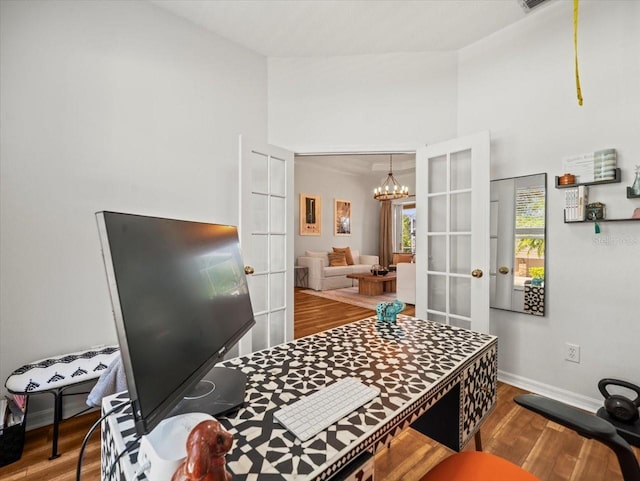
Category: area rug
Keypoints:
(349, 295)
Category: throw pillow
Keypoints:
(337, 259)
(347, 254)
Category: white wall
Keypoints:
(330, 185)
(105, 105)
(336, 103)
(520, 84)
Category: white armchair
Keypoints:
(406, 282)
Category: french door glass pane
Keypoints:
(276, 325)
(278, 176)
(277, 291)
(437, 298)
(437, 213)
(278, 215)
(278, 252)
(492, 291)
(437, 174)
(259, 333)
(258, 286)
(461, 212)
(260, 252)
(460, 254)
(437, 317)
(259, 172)
(259, 216)
(460, 296)
(461, 170)
(460, 323)
(437, 253)
(493, 246)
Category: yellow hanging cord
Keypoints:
(575, 49)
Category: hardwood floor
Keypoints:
(546, 449)
(314, 314)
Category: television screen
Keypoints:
(180, 300)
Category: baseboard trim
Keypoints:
(568, 397)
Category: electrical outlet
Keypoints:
(572, 352)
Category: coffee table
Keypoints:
(370, 285)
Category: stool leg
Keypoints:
(57, 417)
(478, 439)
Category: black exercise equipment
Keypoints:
(622, 408)
(619, 407)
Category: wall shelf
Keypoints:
(615, 180)
(600, 220)
(631, 195)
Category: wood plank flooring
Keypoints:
(546, 449)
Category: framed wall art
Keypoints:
(342, 217)
(310, 214)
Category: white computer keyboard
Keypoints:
(308, 416)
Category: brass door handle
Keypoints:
(477, 273)
(248, 270)
(503, 270)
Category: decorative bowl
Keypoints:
(378, 270)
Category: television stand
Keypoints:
(219, 392)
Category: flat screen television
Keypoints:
(180, 301)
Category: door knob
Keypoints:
(477, 273)
(248, 270)
(503, 270)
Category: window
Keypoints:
(404, 222)
(529, 235)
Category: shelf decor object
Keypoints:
(592, 166)
(634, 191)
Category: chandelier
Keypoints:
(390, 188)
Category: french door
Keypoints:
(452, 232)
(266, 238)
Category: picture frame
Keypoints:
(310, 214)
(342, 217)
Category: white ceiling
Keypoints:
(304, 28)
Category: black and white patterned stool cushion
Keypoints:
(60, 371)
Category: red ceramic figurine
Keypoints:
(207, 445)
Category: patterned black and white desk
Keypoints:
(439, 379)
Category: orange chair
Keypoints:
(481, 466)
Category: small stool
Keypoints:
(302, 276)
(57, 374)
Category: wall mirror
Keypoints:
(518, 243)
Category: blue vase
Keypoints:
(388, 311)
